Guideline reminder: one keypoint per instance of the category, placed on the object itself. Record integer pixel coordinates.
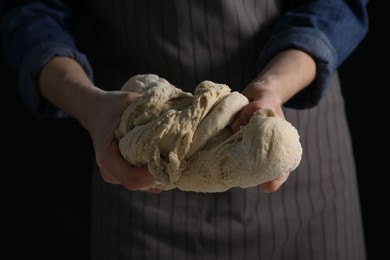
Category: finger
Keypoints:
(275, 184)
(107, 177)
(116, 170)
(141, 181)
(133, 178)
(244, 115)
(154, 190)
(136, 178)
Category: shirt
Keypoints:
(34, 32)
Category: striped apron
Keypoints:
(314, 215)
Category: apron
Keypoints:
(314, 215)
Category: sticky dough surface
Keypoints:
(186, 141)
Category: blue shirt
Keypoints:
(328, 30)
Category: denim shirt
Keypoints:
(328, 30)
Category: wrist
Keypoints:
(286, 74)
(264, 87)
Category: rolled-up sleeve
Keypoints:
(32, 34)
(328, 30)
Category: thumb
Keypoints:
(244, 116)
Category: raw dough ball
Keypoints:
(186, 141)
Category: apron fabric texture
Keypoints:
(314, 215)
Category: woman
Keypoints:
(73, 57)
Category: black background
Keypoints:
(47, 164)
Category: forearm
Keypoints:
(285, 75)
(64, 83)
(288, 73)
(327, 30)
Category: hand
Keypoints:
(104, 117)
(260, 96)
(64, 83)
(285, 75)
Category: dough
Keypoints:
(186, 141)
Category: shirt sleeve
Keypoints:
(32, 34)
(327, 30)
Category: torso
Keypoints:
(315, 215)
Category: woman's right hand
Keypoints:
(64, 83)
(103, 118)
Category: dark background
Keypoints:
(46, 172)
